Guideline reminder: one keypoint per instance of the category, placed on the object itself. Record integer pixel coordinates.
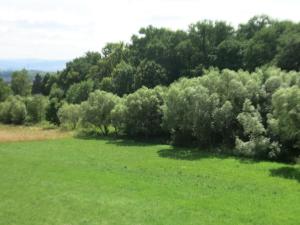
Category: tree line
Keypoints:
(159, 56)
(211, 85)
(256, 114)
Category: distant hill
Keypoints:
(6, 74)
(32, 64)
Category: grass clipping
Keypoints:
(25, 133)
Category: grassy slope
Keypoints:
(88, 182)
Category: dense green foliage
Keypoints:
(140, 113)
(119, 182)
(149, 74)
(5, 90)
(96, 111)
(20, 83)
(285, 119)
(159, 56)
(78, 93)
(69, 116)
(226, 107)
(37, 86)
(18, 110)
(13, 110)
(36, 108)
(122, 78)
(256, 113)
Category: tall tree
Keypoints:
(122, 78)
(20, 83)
(37, 86)
(206, 36)
(230, 55)
(4, 90)
(149, 74)
(289, 55)
(255, 24)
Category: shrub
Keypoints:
(257, 144)
(5, 90)
(36, 108)
(78, 93)
(284, 121)
(178, 110)
(96, 111)
(13, 110)
(5, 108)
(52, 109)
(18, 112)
(106, 84)
(143, 112)
(118, 116)
(194, 112)
(69, 116)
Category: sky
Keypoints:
(65, 29)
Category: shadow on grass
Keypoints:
(178, 153)
(189, 154)
(291, 173)
(133, 143)
(121, 140)
(246, 160)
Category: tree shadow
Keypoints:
(292, 173)
(191, 154)
(121, 140)
(178, 153)
(247, 160)
(132, 142)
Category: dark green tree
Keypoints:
(149, 74)
(20, 83)
(4, 90)
(255, 24)
(78, 93)
(288, 57)
(37, 86)
(122, 78)
(230, 55)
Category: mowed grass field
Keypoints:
(117, 182)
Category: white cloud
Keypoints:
(68, 28)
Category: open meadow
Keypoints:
(71, 181)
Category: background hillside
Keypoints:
(6, 74)
(34, 66)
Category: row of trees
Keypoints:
(22, 85)
(20, 110)
(258, 114)
(159, 56)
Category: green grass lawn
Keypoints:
(89, 182)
